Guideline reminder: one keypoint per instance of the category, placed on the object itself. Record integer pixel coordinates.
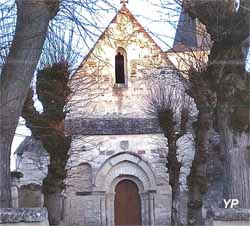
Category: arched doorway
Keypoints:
(126, 166)
(127, 204)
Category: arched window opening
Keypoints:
(120, 66)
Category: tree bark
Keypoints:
(166, 121)
(237, 167)
(48, 127)
(53, 183)
(225, 91)
(5, 177)
(233, 116)
(174, 167)
(53, 203)
(197, 179)
(57, 144)
(226, 77)
(201, 90)
(31, 27)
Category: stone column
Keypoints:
(110, 209)
(152, 208)
(145, 213)
(103, 210)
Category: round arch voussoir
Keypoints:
(124, 165)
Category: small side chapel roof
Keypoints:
(124, 10)
(21, 148)
(30, 144)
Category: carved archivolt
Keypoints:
(124, 165)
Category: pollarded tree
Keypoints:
(168, 102)
(52, 88)
(31, 28)
(48, 127)
(32, 23)
(221, 91)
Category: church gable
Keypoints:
(125, 32)
(119, 64)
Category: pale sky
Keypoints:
(150, 15)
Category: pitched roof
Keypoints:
(30, 144)
(190, 34)
(21, 148)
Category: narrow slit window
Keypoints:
(119, 68)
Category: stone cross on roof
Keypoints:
(124, 2)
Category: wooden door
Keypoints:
(127, 204)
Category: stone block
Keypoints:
(42, 223)
(30, 196)
(10, 216)
(141, 152)
(162, 156)
(231, 223)
(154, 151)
(79, 178)
(124, 144)
(232, 214)
(110, 152)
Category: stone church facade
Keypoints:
(118, 152)
(128, 145)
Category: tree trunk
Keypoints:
(5, 178)
(238, 158)
(174, 167)
(236, 147)
(166, 121)
(197, 179)
(31, 27)
(53, 183)
(228, 27)
(175, 214)
(205, 98)
(52, 201)
(48, 127)
(233, 116)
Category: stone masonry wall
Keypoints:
(231, 223)
(106, 118)
(150, 147)
(32, 162)
(24, 217)
(95, 80)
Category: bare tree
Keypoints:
(197, 179)
(52, 86)
(167, 101)
(31, 27)
(32, 23)
(225, 86)
(219, 85)
(48, 127)
(220, 89)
